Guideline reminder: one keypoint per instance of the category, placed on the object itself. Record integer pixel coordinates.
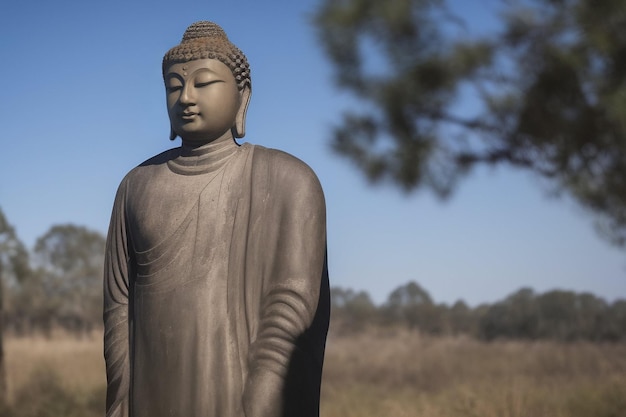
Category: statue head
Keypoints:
(208, 85)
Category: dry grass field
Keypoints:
(397, 373)
(377, 373)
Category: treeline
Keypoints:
(56, 286)
(525, 314)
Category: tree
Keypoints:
(71, 262)
(412, 305)
(13, 266)
(461, 319)
(546, 89)
(615, 327)
(355, 310)
(593, 317)
(522, 314)
(558, 315)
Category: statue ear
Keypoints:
(240, 121)
(172, 133)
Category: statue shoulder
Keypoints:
(283, 165)
(145, 172)
(287, 178)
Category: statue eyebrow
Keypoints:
(203, 69)
(185, 76)
(171, 75)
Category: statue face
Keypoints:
(202, 99)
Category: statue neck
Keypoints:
(191, 149)
(201, 158)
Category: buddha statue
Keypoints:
(216, 298)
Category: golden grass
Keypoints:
(79, 363)
(380, 373)
(399, 373)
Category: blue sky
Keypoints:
(83, 103)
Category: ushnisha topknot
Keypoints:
(208, 40)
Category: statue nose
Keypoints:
(186, 96)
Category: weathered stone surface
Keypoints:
(216, 299)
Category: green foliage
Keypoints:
(559, 315)
(64, 290)
(565, 316)
(354, 309)
(14, 262)
(422, 74)
(544, 91)
(71, 262)
(61, 285)
(413, 306)
(13, 268)
(71, 250)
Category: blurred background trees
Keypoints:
(543, 90)
(560, 315)
(59, 287)
(70, 262)
(13, 269)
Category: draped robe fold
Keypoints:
(216, 280)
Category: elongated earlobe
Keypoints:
(172, 134)
(240, 121)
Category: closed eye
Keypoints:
(205, 83)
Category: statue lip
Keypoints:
(188, 114)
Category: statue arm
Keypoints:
(286, 357)
(116, 320)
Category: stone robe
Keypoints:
(216, 297)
